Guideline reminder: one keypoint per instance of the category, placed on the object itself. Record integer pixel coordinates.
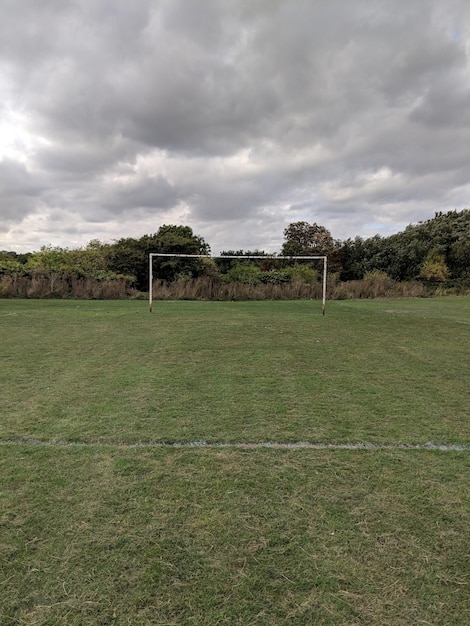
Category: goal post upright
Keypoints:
(150, 281)
(239, 257)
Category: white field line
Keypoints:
(296, 445)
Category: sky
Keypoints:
(234, 117)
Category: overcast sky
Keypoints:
(235, 117)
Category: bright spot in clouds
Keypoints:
(235, 118)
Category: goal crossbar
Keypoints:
(239, 257)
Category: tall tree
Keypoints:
(130, 256)
(302, 238)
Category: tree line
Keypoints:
(432, 253)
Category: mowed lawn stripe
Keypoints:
(379, 371)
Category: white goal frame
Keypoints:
(239, 257)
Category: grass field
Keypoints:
(98, 525)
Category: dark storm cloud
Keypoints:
(238, 114)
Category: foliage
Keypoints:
(271, 270)
(274, 277)
(302, 238)
(50, 259)
(434, 251)
(209, 267)
(243, 273)
(92, 262)
(434, 267)
(225, 264)
(9, 265)
(301, 272)
(131, 256)
(10, 255)
(356, 256)
(403, 255)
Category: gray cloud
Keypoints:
(18, 191)
(234, 117)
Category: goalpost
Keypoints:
(239, 257)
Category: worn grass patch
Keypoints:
(391, 371)
(94, 536)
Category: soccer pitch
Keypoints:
(155, 469)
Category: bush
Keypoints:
(434, 268)
(274, 277)
(245, 274)
(302, 273)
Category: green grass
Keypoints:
(100, 536)
(111, 534)
(386, 371)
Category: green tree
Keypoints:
(50, 258)
(92, 261)
(10, 266)
(131, 256)
(51, 262)
(304, 239)
(402, 255)
(12, 263)
(359, 256)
